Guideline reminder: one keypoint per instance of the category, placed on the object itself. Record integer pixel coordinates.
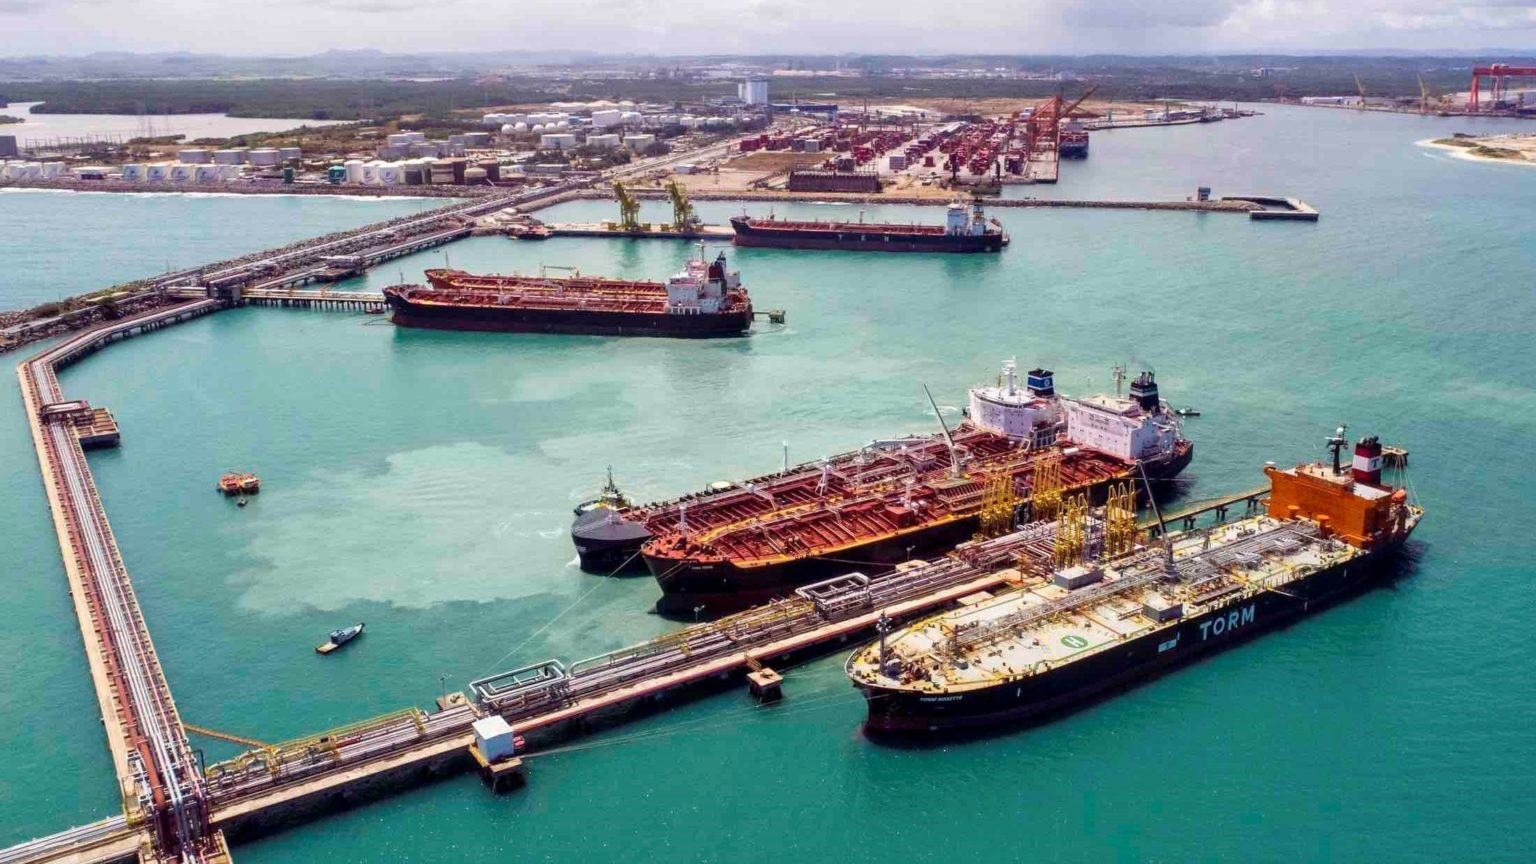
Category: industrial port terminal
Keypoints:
(178, 808)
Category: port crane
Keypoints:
(683, 217)
(629, 208)
(1361, 89)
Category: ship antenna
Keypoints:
(786, 457)
(1119, 374)
(949, 440)
(1336, 444)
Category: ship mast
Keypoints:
(949, 440)
(1336, 444)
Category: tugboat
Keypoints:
(605, 540)
(237, 483)
(340, 638)
(1188, 412)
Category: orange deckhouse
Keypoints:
(1353, 506)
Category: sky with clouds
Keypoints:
(30, 27)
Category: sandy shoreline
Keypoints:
(1467, 154)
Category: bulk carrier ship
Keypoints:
(874, 508)
(703, 300)
(961, 232)
(1081, 624)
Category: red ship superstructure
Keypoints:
(893, 500)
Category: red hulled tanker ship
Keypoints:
(704, 299)
(961, 232)
(873, 508)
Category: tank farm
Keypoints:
(776, 570)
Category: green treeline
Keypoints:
(366, 99)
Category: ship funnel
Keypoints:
(1041, 382)
(1144, 391)
(1367, 465)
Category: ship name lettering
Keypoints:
(1224, 623)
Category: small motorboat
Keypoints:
(340, 638)
(1187, 412)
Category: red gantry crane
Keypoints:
(1498, 75)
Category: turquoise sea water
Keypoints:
(423, 481)
(58, 244)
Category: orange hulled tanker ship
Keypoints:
(704, 299)
(871, 509)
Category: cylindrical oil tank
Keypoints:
(474, 177)
(207, 174)
(370, 173)
(231, 156)
(389, 174)
(195, 156)
(264, 157)
(354, 170)
(157, 173)
(290, 154)
(182, 173)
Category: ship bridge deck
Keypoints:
(1043, 625)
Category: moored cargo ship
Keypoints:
(961, 232)
(1082, 624)
(874, 508)
(703, 300)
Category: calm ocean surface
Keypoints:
(423, 482)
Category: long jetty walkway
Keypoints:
(176, 812)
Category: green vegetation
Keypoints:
(462, 95)
(1497, 153)
(328, 99)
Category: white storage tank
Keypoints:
(639, 142)
(290, 154)
(370, 173)
(607, 142)
(52, 170)
(558, 141)
(133, 173)
(265, 157)
(157, 173)
(398, 139)
(475, 177)
(195, 156)
(182, 173)
(630, 117)
(207, 174)
(389, 174)
(354, 170)
(229, 172)
(231, 156)
(604, 119)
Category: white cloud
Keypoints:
(768, 26)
